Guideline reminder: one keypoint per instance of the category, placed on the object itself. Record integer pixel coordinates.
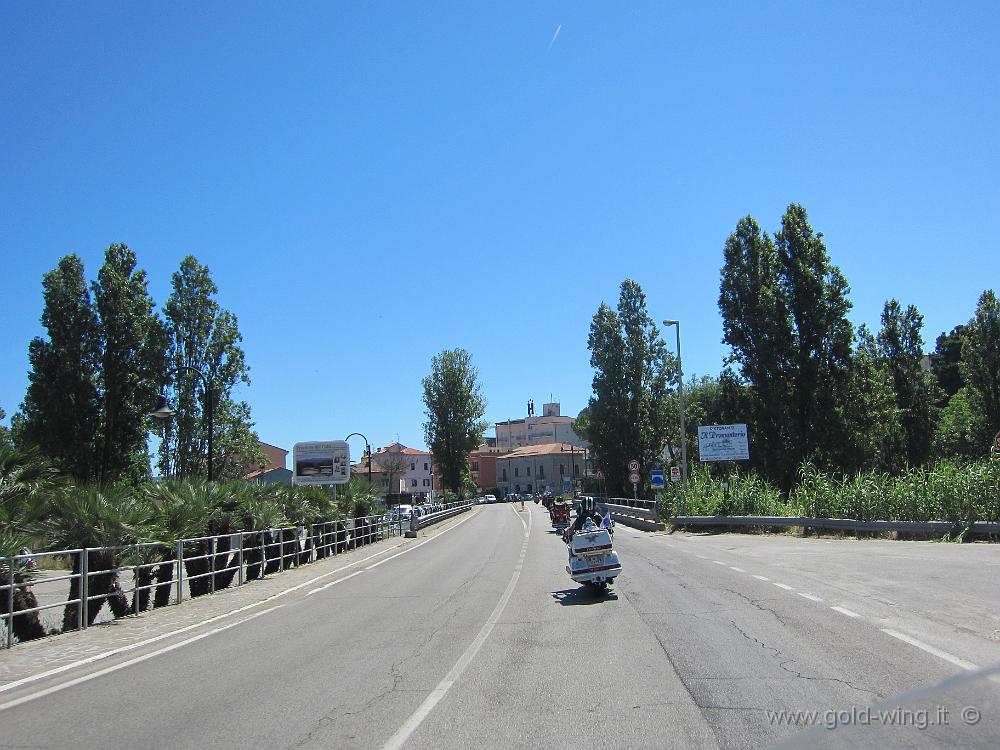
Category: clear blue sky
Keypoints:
(420, 176)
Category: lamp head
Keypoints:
(162, 410)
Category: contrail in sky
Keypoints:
(555, 36)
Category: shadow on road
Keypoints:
(582, 596)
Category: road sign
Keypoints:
(327, 462)
(634, 478)
(633, 466)
(656, 479)
(675, 473)
(723, 442)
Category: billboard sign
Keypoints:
(723, 442)
(321, 462)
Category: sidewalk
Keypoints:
(106, 639)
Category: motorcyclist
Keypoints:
(588, 510)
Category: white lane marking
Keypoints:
(516, 513)
(423, 710)
(209, 621)
(701, 557)
(130, 662)
(718, 562)
(375, 565)
(761, 578)
(782, 586)
(845, 611)
(810, 597)
(931, 649)
(738, 570)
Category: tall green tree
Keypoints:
(784, 307)
(204, 338)
(62, 407)
(901, 346)
(878, 440)
(944, 361)
(980, 363)
(815, 292)
(629, 415)
(131, 365)
(454, 406)
(757, 326)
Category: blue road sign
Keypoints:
(656, 479)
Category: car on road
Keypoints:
(489, 498)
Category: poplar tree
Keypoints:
(204, 337)
(629, 414)
(901, 346)
(131, 365)
(61, 409)
(980, 363)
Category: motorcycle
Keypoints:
(592, 558)
(560, 516)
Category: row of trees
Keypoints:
(107, 354)
(811, 387)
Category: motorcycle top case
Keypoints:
(593, 559)
(591, 542)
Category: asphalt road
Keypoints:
(476, 637)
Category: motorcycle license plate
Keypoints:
(593, 561)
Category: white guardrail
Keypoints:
(158, 574)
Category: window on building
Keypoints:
(576, 471)
(475, 466)
(562, 470)
(516, 469)
(527, 470)
(425, 466)
(413, 482)
(541, 472)
(505, 475)
(529, 487)
(413, 466)
(427, 483)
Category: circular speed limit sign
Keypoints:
(633, 466)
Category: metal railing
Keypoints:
(164, 573)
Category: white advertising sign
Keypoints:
(327, 462)
(723, 442)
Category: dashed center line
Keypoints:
(701, 557)
(761, 578)
(810, 597)
(782, 586)
(718, 562)
(845, 611)
(738, 570)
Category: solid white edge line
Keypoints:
(209, 621)
(423, 710)
(845, 611)
(967, 665)
(130, 662)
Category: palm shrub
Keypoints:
(94, 518)
(25, 478)
(262, 510)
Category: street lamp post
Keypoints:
(368, 450)
(163, 411)
(680, 391)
